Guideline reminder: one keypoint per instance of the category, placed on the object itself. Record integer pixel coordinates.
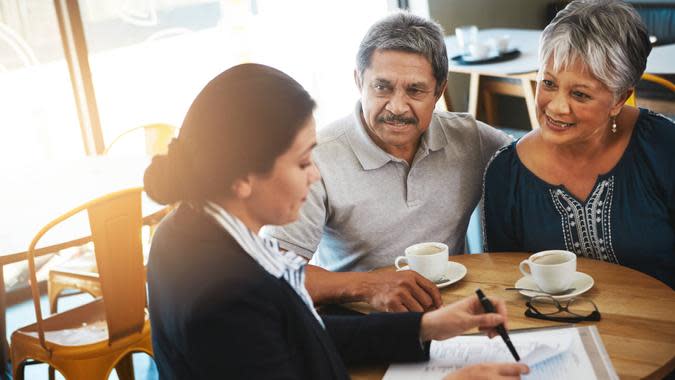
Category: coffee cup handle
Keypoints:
(523, 264)
(398, 260)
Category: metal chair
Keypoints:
(157, 139)
(668, 85)
(87, 342)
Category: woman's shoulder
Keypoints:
(503, 163)
(656, 127)
(189, 245)
(655, 134)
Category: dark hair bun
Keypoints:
(163, 179)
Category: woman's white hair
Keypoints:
(608, 36)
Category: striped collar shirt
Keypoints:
(265, 251)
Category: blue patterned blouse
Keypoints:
(628, 219)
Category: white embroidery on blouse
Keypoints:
(481, 205)
(587, 229)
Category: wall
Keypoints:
(528, 14)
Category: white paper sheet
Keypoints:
(551, 354)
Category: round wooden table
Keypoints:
(638, 311)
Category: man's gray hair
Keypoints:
(406, 32)
(608, 36)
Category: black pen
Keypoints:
(489, 308)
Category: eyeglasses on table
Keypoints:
(570, 311)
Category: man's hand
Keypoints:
(489, 371)
(383, 290)
(400, 291)
(454, 319)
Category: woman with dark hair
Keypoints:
(227, 303)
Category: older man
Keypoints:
(394, 173)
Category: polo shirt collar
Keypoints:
(435, 137)
(372, 156)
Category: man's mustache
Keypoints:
(391, 118)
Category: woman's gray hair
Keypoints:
(608, 36)
(407, 32)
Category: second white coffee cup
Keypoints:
(552, 271)
(500, 43)
(429, 259)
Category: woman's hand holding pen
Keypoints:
(465, 314)
(460, 316)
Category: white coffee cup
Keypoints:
(429, 259)
(552, 271)
(479, 50)
(466, 35)
(501, 43)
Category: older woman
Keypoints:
(226, 303)
(597, 177)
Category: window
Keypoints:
(149, 59)
(38, 119)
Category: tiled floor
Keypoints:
(24, 313)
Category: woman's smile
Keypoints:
(557, 124)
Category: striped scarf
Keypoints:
(265, 251)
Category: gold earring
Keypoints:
(613, 124)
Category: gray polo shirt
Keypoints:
(369, 205)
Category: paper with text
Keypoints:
(550, 354)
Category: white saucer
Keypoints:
(582, 283)
(456, 272)
(489, 56)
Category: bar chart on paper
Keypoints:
(564, 353)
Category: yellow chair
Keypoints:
(157, 139)
(632, 100)
(87, 342)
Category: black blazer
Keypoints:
(217, 314)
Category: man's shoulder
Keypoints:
(334, 130)
(332, 139)
(460, 125)
(461, 122)
(454, 120)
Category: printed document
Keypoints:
(550, 354)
